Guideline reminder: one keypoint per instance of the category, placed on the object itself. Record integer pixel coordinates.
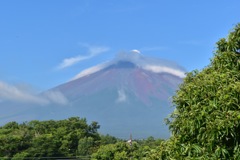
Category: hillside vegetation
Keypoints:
(48, 138)
(69, 138)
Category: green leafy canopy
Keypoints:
(206, 121)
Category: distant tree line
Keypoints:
(71, 137)
(64, 138)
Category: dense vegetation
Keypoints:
(206, 121)
(138, 149)
(64, 138)
(72, 138)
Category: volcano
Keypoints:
(128, 95)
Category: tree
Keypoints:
(206, 121)
(107, 139)
(86, 146)
(51, 138)
(123, 150)
(117, 151)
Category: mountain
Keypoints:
(128, 95)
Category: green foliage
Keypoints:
(117, 151)
(21, 156)
(86, 146)
(107, 139)
(121, 150)
(206, 121)
(72, 138)
(64, 138)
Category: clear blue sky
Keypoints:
(44, 43)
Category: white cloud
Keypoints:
(91, 70)
(12, 93)
(19, 94)
(55, 97)
(135, 51)
(92, 52)
(71, 61)
(150, 64)
(160, 69)
(121, 96)
(95, 50)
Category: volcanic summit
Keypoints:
(130, 94)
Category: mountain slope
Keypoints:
(128, 95)
(124, 97)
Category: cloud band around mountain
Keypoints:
(13, 93)
(150, 64)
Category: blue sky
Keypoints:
(44, 43)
